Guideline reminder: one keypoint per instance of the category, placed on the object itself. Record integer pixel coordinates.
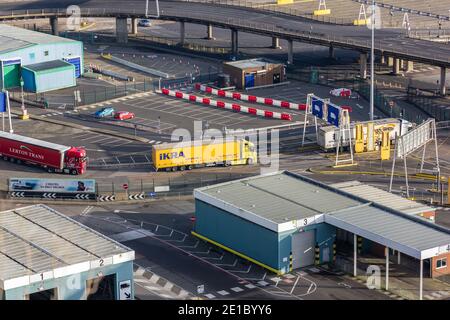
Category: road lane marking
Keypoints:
(295, 284)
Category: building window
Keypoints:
(46, 53)
(441, 263)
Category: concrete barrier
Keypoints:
(250, 98)
(226, 105)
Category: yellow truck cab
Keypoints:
(192, 154)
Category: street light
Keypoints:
(21, 93)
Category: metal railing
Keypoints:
(254, 27)
(274, 8)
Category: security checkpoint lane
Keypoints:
(234, 277)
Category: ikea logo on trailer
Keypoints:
(171, 155)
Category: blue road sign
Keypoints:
(2, 102)
(333, 114)
(317, 107)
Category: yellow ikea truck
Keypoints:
(192, 154)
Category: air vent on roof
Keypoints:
(218, 191)
(253, 205)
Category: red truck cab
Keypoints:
(75, 160)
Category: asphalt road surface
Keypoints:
(168, 250)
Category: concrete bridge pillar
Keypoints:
(234, 42)
(409, 66)
(290, 52)
(275, 43)
(54, 26)
(121, 30)
(182, 33)
(363, 65)
(134, 26)
(390, 61)
(209, 32)
(396, 66)
(443, 89)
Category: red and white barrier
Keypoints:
(227, 105)
(249, 98)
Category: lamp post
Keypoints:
(21, 93)
(372, 62)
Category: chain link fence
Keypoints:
(436, 106)
(383, 103)
(167, 186)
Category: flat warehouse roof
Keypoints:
(250, 63)
(411, 237)
(382, 197)
(282, 201)
(14, 38)
(276, 200)
(37, 240)
(55, 64)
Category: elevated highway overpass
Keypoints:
(390, 43)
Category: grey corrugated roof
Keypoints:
(48, 65)
(14, 38)
(279, 197)
(382, 197)
(37, 239)
(284, 198)
(397, 232)
(250, 63)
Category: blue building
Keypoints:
(47, 256)
(284, 221)
(21, 48)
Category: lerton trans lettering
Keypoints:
(171, 155)
(25, 151)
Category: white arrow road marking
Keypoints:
(194, 246)
(182, 240)
(228, 265)
(257, 279)
(242, 271)
(202, 252)
(212, 258)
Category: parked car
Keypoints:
(104, 112)
(123, 115)
(145, 23)
(341, 92)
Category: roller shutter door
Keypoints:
(303, 249)
(76, 61)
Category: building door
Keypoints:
(249, 80)
(101, 288)
(11, 74)
(303, 249)
(276, 78)
(76, 61)
(49, 294)
(325, 254)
